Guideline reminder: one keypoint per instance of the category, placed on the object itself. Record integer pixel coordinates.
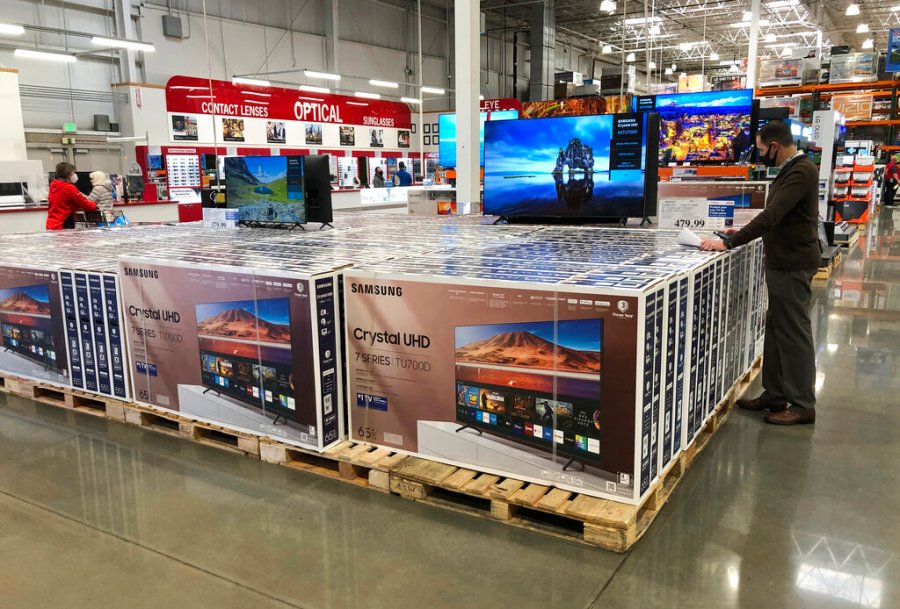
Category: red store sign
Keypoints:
(194, 96)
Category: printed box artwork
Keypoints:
(251, 351)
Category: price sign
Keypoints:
(219, 218)
(696, 214)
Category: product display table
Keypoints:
(32, 219)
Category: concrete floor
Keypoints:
(97, 514)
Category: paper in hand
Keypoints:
(688, 237)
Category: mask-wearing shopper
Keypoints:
(402, 177)
(101, 194)
(789, 230)
(65, 199)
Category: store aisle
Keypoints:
(96, 514)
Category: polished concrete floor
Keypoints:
(97, 514)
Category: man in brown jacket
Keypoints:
(789, 230)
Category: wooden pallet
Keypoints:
(854, 238)
(611, 525)
(599, 522)
(823, 275)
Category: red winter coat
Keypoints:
(65, 200)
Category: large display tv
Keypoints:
(575, 168)
(447, 135)
(536, 383)
(245, 353)
(266, 189)
(26, 323)
(704, 127)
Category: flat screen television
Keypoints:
(704, 127)
(27, 325)
(245, 353)
(266, 189)
(536, 383)
(447, 135)
(575, 168)
(317, 187)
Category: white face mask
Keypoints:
(74, 178)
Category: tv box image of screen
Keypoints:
(573, 167)
(245, 353)
(537, 383)
(32, 341)
(252, 350)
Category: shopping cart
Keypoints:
(99, 219)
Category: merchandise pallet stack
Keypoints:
(554, 379)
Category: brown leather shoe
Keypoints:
(792, 416)
(761, 403)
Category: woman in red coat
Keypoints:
(65, 199)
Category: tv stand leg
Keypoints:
(645, 221)
(279, 416)
(469, 427)
(208, 389)
(324, 224)
(501, 219)
(571, 461)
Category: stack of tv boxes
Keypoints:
(585, 358)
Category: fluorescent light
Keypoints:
(894, 9)
(132, 45)
(257, 93)
(384, 83)
(11, 29)
(367, 95)
(674, 67)
(868, 44)
(481, 98)
(642, 20)
(782, 4)
(747, 16)
(606, 49)
(608, 6)
(48, 55)
(862, 28)
(746, 23)
(714, 56)
(786, 52)
(770, 37)
(322, 75)
(254, 82)
(651, 65)
(630, 58)
(669, 72)
(314, 89)
(685, 46)
(852, 10)
(654, 30)
(435, 90)
(410, 100)
(781, 44)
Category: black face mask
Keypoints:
(769, 159)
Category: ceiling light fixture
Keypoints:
(782, 4)
(607, 49)
(48, 55)
(410, 100)
(642, 20)
(651, 65)
(630, 58)
(852, 10)
(322, 75)
(868, 44)
(674, 67)
(367, 95)
(130, 45)
(862, 28)
(384, 83)
(746, 23)
(608, 6)
(746, 16)
(10, 29)
(654, 30)
(435, 90)
(255, 82)
(770, 37)
(786, 52)
(481, 98)
(314, 89)
(669, 71)
(714, 56)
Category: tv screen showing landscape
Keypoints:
(266, 189)
(537, 383)
(447, 135)
(711, 126)
(26, 324)
(245, 352)
(574, 167)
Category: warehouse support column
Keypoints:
(125, 29)
(332, 36)
(467, 38)
(542, 21)
(753, 50)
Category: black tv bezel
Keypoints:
(279, 410)
(544, 445)
(317, 165)
(651, 176)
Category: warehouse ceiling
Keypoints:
(695, 33)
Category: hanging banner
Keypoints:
(193, 96)
(892, 60)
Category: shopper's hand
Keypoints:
(729, 231)
(713, 245)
